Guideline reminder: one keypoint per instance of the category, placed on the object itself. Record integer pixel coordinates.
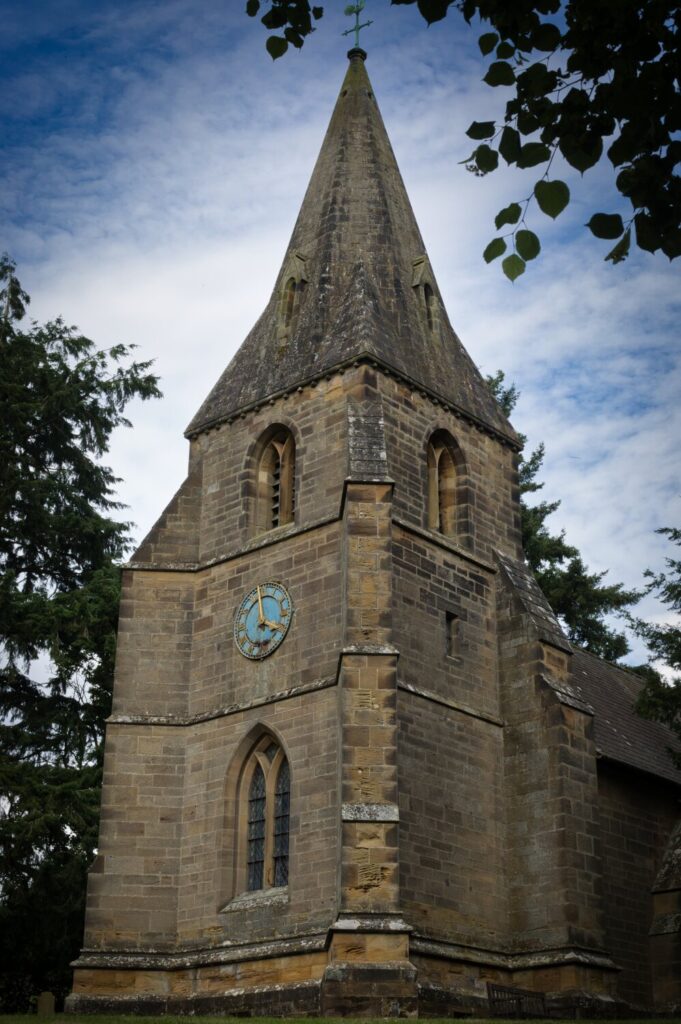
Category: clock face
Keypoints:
(262, 620)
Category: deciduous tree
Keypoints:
(586, 78)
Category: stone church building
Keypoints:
(353, 765)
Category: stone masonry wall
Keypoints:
(132, 887)
(306, 727)
(451, 835)
(432, 581)
(309, 566)
(637, 815)
(489, 485)
(317, 418)
(153, 656)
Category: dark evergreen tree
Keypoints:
(660, 698)
(60, 540)
(580, 599)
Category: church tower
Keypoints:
(346, 769)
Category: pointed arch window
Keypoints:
(294, 281)
(447, 507)
(422, 282)
(265, 811)
(276, 480)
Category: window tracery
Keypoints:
(265, 810)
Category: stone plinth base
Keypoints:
(302, 1000)
(344, 973)
(370, 990)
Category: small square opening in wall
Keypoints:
(453, 635)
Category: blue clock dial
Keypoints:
(262, 620)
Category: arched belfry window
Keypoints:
(447, 507)
(264, 810)
(276, 480)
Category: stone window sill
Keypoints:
(274, 897)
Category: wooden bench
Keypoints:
(515, 1002)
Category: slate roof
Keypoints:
(532, 599)
(622, 735)
(598, 686)
(362, 253)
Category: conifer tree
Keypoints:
(581, 599)
(60, 541)
(660, 698)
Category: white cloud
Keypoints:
(182, 164)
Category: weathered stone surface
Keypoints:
(473, 800)
(357, 232)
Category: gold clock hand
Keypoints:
(261, 618)
(273, 625)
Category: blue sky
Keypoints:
(154, 161)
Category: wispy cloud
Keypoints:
(155, 160)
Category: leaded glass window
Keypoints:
(266, 809)
(256, 830)
(281, 826)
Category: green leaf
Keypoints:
(513, 267)
(252, 8)
(432, 10)
(317, 13)
(671, 244)
(546, 37)
(533, 153)
(527, 244)
(552, 197)
(487, 42)
(481, 130)
(495, 248)
(500, 73)
(276, 46)
(293, 37)
(621, 250)
(537, 80)
(647, 237)
(582, 153)
(527, 123)
(509, 146)
(486, 159)
(606, 225)
(505, 50)
(509, 215)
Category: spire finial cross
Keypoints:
(356, 9)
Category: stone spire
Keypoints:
(355, 283)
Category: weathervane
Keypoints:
(356, 9)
